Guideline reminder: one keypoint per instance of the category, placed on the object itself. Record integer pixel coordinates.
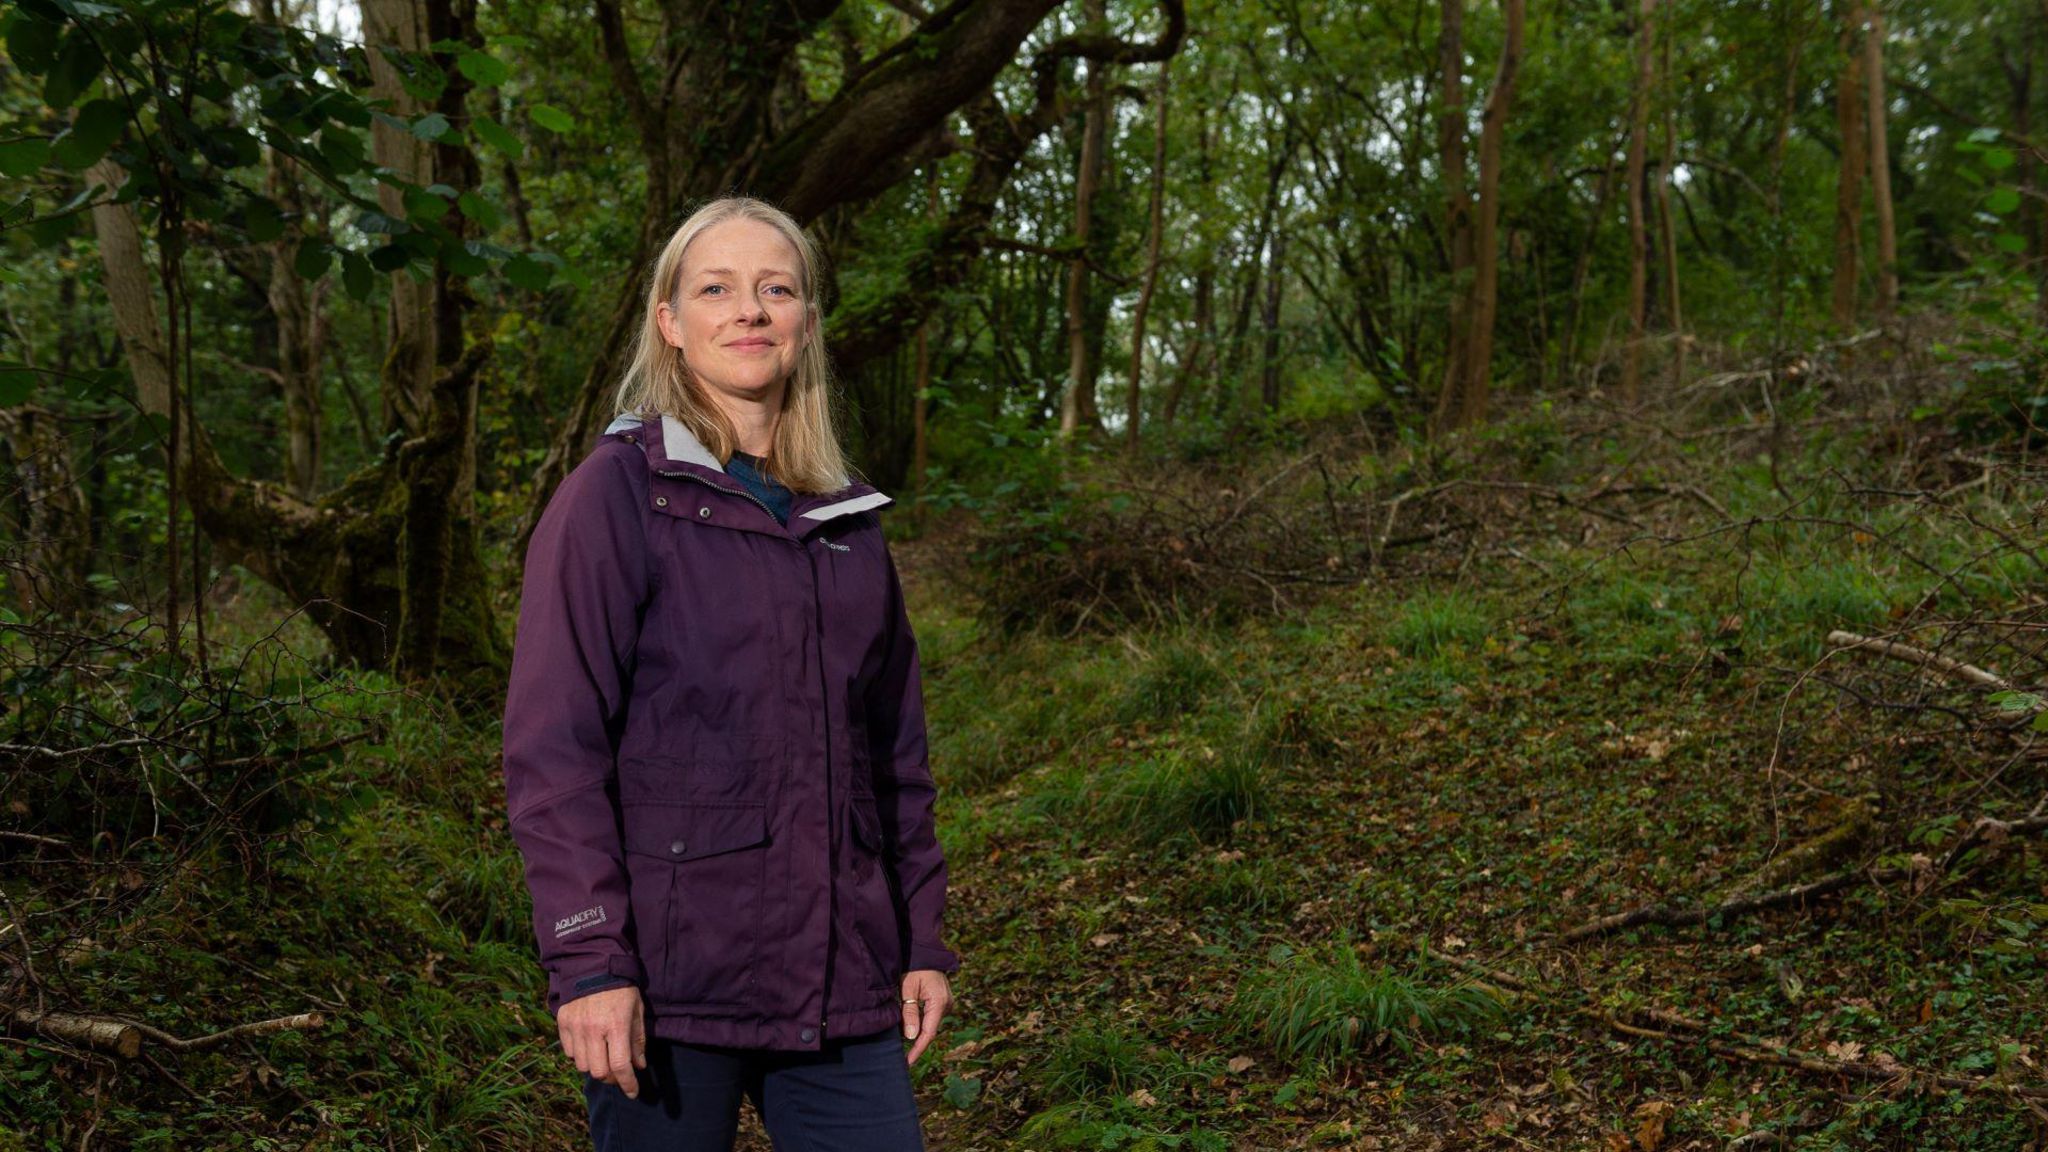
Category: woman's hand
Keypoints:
(605, 1034)
(926, 996)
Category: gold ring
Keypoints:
(912, 1000)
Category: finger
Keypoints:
(568, 1039)
(619, 1045)
(910, 1019)
(933, 1011)
(639, 1041)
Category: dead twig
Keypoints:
(1946, 665)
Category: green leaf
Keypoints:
(32, 44)
(377, 223)
(2002, 200)
(92, 132)
(463, 262)
(389, 258)
(493, 133)
(1999, 159)
(356, 275)
(422, 205)
(550, 117)
(78, 64)
(961, 1091)
(2010, 242)
(261, 220)
(483, 69)
(1984, 135)
(342, 149)
(17, 384)
(480, 210)
(19, 158)
(432, 126)
(529, 273)
(312, 259)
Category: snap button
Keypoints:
(807, 1035)
(704, 513)
(630, 439)
(675, 847)
(661, 501)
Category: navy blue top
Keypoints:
(747, 470)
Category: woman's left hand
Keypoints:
(926, 996)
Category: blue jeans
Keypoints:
(852, 1096)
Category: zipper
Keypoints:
(720, 488)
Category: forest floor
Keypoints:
(1306, 882)
(1278, 880)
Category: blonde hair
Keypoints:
(806, 455)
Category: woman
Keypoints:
(714, 735)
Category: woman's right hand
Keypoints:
(605, 1034)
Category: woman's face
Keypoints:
(739, 317)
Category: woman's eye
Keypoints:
(780, 288)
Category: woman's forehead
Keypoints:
(742, 245)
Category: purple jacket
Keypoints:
(715, 759)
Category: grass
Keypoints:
(1325, 1004)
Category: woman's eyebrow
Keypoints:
(729, 272)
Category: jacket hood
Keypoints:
(671, 448)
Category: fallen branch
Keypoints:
(1674, 916)
(1850, 641)
(1985, 830)
(1752, 1050)
(1749, 1049)
(124, 1038)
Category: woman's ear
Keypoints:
(665, 319)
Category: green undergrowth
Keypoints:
(1216, 887)
(1201, 847)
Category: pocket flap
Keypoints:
(678, 832)
(867, 823)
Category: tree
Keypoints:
(1639, 201)
(1849, 108)
(712, 123)
(1880, 161)
(1468, 377)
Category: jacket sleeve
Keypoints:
(587, 583)
(904, 789)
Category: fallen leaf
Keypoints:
(1845, 1050)
(1105, 939)
(1238, 1064)
(1650, 1120)
(1142, 1098)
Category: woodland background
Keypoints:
(1479, 565)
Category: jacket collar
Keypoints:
(672, 449)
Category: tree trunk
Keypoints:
(55, 529)
(301, 336)
(1667, 226)
(1269, 359)
(1639, 203)
(920, 449)
(1463, 401)
(1134, 407)
(1582, 265)
(1849, 105)
(1880, 163)
(1201, 345)
(1458, 238)
(409, 365)
(1077, 404)
(387, 563)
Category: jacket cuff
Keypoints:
(923, 956)
(619, 969)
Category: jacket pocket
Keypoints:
(697, 923)
(876, 919)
